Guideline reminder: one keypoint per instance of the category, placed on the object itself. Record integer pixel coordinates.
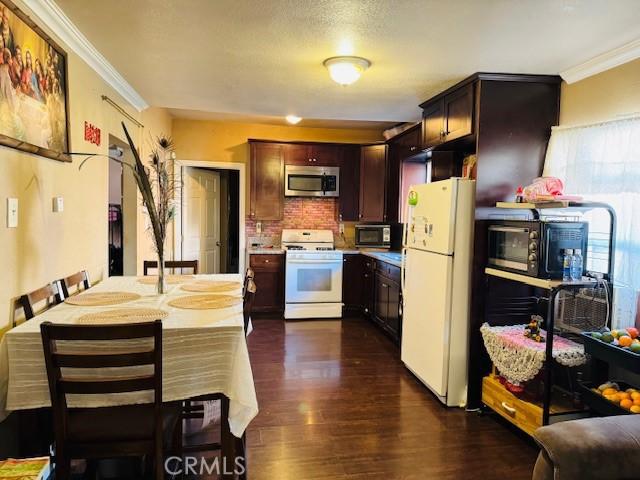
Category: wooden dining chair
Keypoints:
(106, 432)
(249, 274)
(247, 304)
(49, 295)
(78, 281)
(196, 411)
(171, 264)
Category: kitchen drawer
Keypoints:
(390, 271)
(525, 415)
(266, 263)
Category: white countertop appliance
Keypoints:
(436, 277)
(313, 275)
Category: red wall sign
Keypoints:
(91, 133)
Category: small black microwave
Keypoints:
(534, 247)
(377, 236)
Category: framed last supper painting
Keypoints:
(33, 87)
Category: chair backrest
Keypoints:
(59, 356)
(171, 264)
(248, 275)
(79, 281)
(249, 295)
(50, 294)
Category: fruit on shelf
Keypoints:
(626, 339)
(628, 399)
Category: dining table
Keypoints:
(204, 349)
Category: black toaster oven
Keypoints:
(534, 247)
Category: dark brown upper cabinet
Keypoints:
(267, 177)
(448, 117)
(432, 124)
(349, 199)
(458, 113)
(314, 155)
(373, 181)
(297, 154)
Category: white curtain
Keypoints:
(602, 163)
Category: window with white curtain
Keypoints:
(602, 163)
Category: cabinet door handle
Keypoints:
(266, 261)
(413, 149)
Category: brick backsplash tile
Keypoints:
(301, 212)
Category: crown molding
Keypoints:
(606, 61)
(55, 20)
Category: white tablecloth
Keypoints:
(204, 351)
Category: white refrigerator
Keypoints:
(436, 279)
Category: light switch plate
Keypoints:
(259, 228)
(12, 212)
(58, 204)
(341, 228)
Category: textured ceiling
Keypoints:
(255, 58)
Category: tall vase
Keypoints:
(161, 286)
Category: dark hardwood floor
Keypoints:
(337, 403)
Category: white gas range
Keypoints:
(313, 276)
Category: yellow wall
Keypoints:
(46, 245)
(606, 96)
(227, 141)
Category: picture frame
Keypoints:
(34, 90)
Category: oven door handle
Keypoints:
(315, 262)
(509, 229)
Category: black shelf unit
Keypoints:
(555, 287)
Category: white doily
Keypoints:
(519, 359)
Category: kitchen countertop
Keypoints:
(392, 258)
(265, 251)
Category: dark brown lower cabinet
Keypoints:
(269, 279)
(353, 289)
(387, 305)
(368, 285)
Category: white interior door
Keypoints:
(427, 317)
(201, 218)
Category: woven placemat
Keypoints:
(122, 315)
(101, 298)
(211, 286)
(168, 279)
(205, 302)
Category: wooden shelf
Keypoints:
(532, 206)
(524, 414)
(540, 282)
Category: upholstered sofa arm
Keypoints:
(594, 448)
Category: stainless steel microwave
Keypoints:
(534, 247)
(303, 181)
(375, 236)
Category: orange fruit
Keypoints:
(609, 391)
(633, 332)
(623, 396)
(625, 341)
(636, 401)
(612, 398)
(635, 395)
(626, 404)
(635, 409)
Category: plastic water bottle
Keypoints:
(566, 265)
(576, 265)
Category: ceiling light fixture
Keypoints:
(293, 119)
(346, 70)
